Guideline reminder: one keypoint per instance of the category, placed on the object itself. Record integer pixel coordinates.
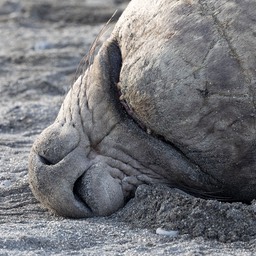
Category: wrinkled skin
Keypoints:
(169, 98)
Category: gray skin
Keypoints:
(169, 98)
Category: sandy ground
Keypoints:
(41, 45)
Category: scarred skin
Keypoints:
(169, 98)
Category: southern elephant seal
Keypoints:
(169, 98)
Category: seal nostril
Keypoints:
(45, 161)
(77, 189)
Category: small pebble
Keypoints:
(171, 233)
(42, 45)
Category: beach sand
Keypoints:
(41, 46)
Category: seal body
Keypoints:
(169, 98)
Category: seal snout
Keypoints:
(53, 184)
(57, 160)
(67, 178)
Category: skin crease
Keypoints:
(168, 99)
